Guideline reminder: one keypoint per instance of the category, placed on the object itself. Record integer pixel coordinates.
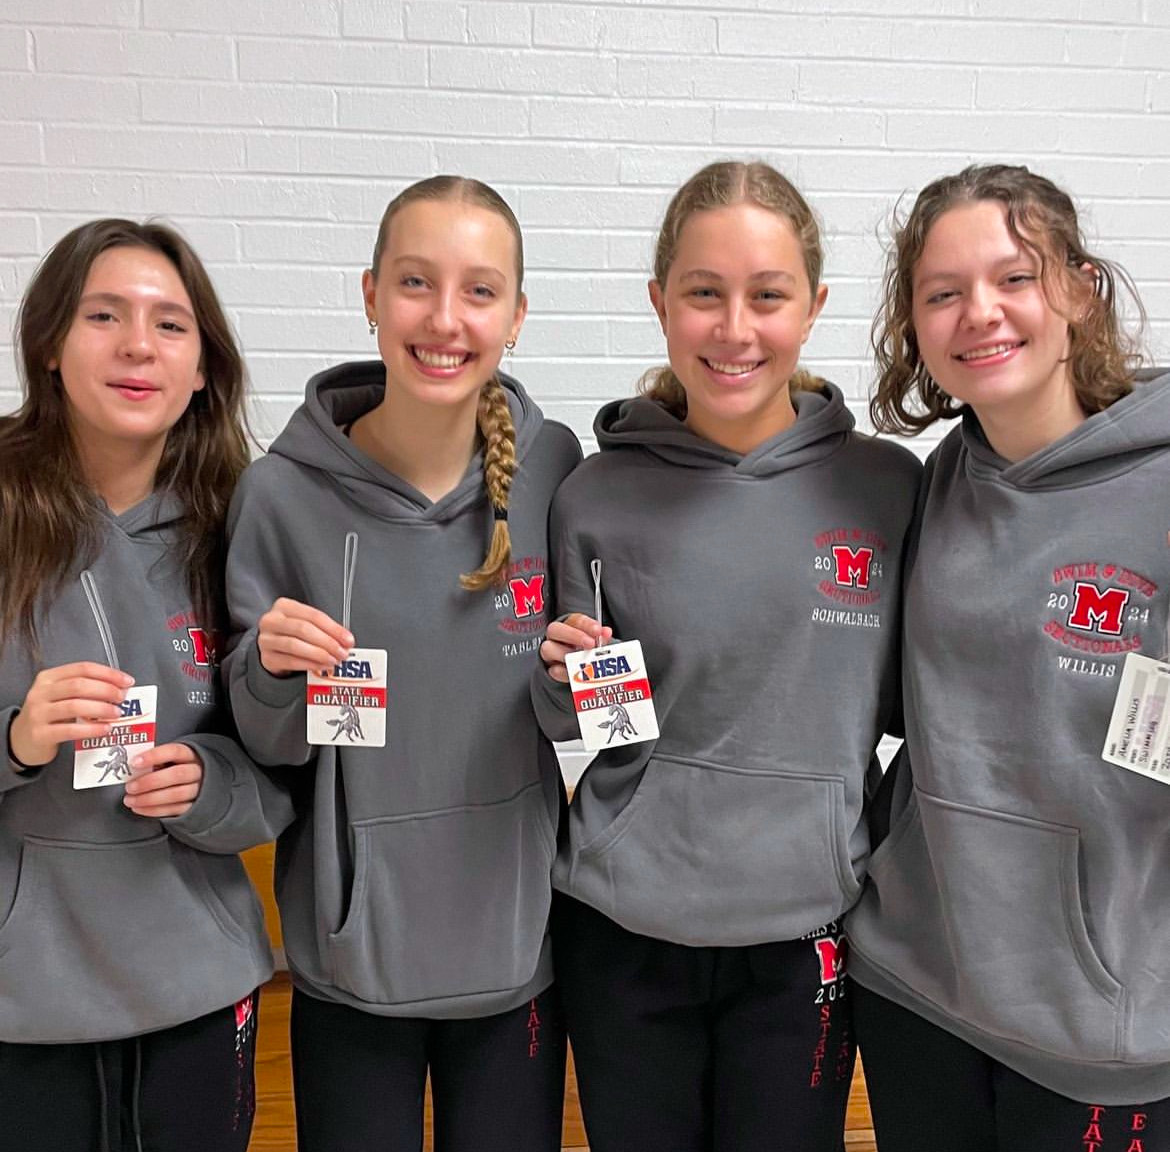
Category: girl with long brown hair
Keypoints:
(132, 942)
(414, 885)
(1011, 948)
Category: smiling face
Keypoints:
(446, 299)
(990, 332)
(736, 308)
(130, 360)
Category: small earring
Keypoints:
(509, 345)
(373, 325)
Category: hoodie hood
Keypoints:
(1107, 443)
(160, 510)
(315, 437)
(822, 425)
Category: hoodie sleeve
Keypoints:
(269, 710)
(572, 592)
(238, 806)
(13, 776)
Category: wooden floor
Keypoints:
(274, 1131)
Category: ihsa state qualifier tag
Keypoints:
(348, 706)
(1139, 730)
(99, 761)
(611, 693)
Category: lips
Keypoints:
(134, 389)
(439, 359)
(989, 351)
(733, 367)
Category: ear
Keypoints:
(518, 318)
(53, 364)
(814, 311)
(200, 381)
(369, 292)
(658, 300)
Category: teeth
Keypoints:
(733, 369)
(984, 353)
(439, 359)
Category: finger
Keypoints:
(65, 711)
(170, 802)
(164, 781)
(81, 687)
(89, 670)
(168, 757)
(297, 637)
(290, 655)
(64, 733)
(322, 621)
(570, 638)
(559, 673)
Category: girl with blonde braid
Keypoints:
(414, 885)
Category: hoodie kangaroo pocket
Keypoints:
(448, 903)
(106, 938)
(711, 854)
(1025, 966)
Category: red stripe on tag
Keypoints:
(334, 695)
(610, 693)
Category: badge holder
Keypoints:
(1139, 729)
(611, 689)
(102, 761)
(347, 706)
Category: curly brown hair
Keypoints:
(720, 185)
(1042, 219)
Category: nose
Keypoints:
(982, 307)
(733, 326)
(138, 338)
(444, 317)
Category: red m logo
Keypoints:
(850, 568)
(831, 954)
(204, 647)
(1097, 611)
(527, 595)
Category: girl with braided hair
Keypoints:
(414, 885)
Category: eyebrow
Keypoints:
(478, 270)
(1021, 255)
(114, 298)
(767, 274)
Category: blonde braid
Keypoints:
(499, 466)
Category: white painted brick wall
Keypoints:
(274, 133)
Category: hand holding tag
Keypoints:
(100, 761)
(611, 695)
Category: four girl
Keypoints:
(737, 526)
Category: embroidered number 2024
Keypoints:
(1062, 601)
(828, 564)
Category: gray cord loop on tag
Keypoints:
(100, 618)
(595, 570)
(351, 547)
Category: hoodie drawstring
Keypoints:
(99, 615)
(136, 1098)
(103, 1100)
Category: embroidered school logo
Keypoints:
(527, 595)
(196, 646)
(849, 566)
(521, 605)
(1096, 611)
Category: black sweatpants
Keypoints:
(497, 1082)
(189, 1088)
(929, 1091)
(682, 1049)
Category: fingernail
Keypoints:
(136, 762)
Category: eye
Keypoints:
(771, 296)
(1021, 278)
(412, 281)
(173, 326)
(703, 294)
(484, 292)
(100, 317)
(942, 297)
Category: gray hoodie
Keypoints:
(116, 924)
(1021, 897)
(415, 881)
(764, 591)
